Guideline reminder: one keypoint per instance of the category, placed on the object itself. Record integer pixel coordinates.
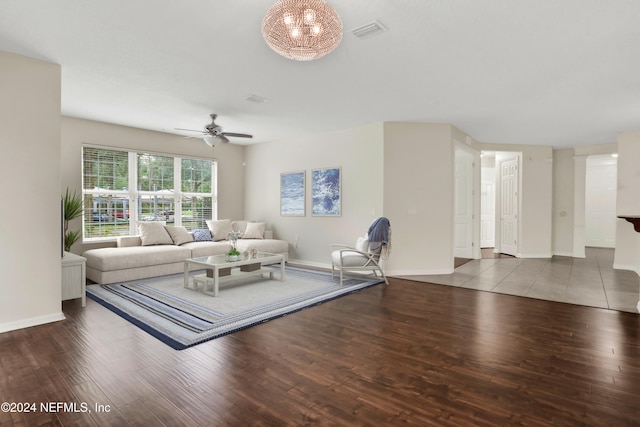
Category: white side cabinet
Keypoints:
(74, 277)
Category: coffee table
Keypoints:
(218, 267)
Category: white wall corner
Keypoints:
(633, 268)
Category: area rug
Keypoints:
(182, 318)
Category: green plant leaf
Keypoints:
(72, 205)
(70, 238)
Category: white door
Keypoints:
(488, 208)
(509, 207)
(464, 205)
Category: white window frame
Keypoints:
(133, 194)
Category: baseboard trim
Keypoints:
(418, 272)
(534, 256)
(627, 267)
(568, 254)
(33, 321)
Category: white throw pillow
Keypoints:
(154, 233)
(240, 226)
(179, 235)
(220, 229)
(362, 244)
(254, 230)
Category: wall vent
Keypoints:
(368, 30)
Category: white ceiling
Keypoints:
(552, 72)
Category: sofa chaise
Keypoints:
(160, 249)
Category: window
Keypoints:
(120, 188)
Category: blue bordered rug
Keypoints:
(182, 318)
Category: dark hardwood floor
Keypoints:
(405, 354)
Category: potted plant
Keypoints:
(72, 205)
(234, 253)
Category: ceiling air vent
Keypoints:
(369, 30)
(255, 98)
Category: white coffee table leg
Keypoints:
(186, 274)
(216, 280)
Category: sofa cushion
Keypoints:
(220, 229)
(348, 258)
(199, 249)
(126, 241)
(154, 233)
(111, 259)
(179, 235)
(263, 245)
(254, 230)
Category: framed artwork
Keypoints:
(292, 193)
(326, 192)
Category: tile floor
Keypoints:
(590, 281)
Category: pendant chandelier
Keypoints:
(302, 30)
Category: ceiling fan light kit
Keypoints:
(302, 30)
(214, 133)
(210, 140)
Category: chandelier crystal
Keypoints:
(302, 30)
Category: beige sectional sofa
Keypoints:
(145, 255)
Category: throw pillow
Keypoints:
(154, 233)
(362, 244)
(220, 229)
(179, 235)
(202, 235)
(240, 226)
(254, 230)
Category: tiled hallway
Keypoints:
(590, 281)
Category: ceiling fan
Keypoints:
(213, 133)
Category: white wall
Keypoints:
(569, 188)
(488, 202)
(419, 196)
(357, 151)
(627, 254)
(600, 201)
(563, 202)
(403, 171)
(30, 220)
(76, 132)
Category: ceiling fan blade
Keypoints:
(189, 130)
(237, 135)
(223, 138)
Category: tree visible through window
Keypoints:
(121, 188)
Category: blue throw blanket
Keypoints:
(379, 230)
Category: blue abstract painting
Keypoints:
(292, 194)
(326, 192)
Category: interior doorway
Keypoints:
(600, 201)
(500, 203)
